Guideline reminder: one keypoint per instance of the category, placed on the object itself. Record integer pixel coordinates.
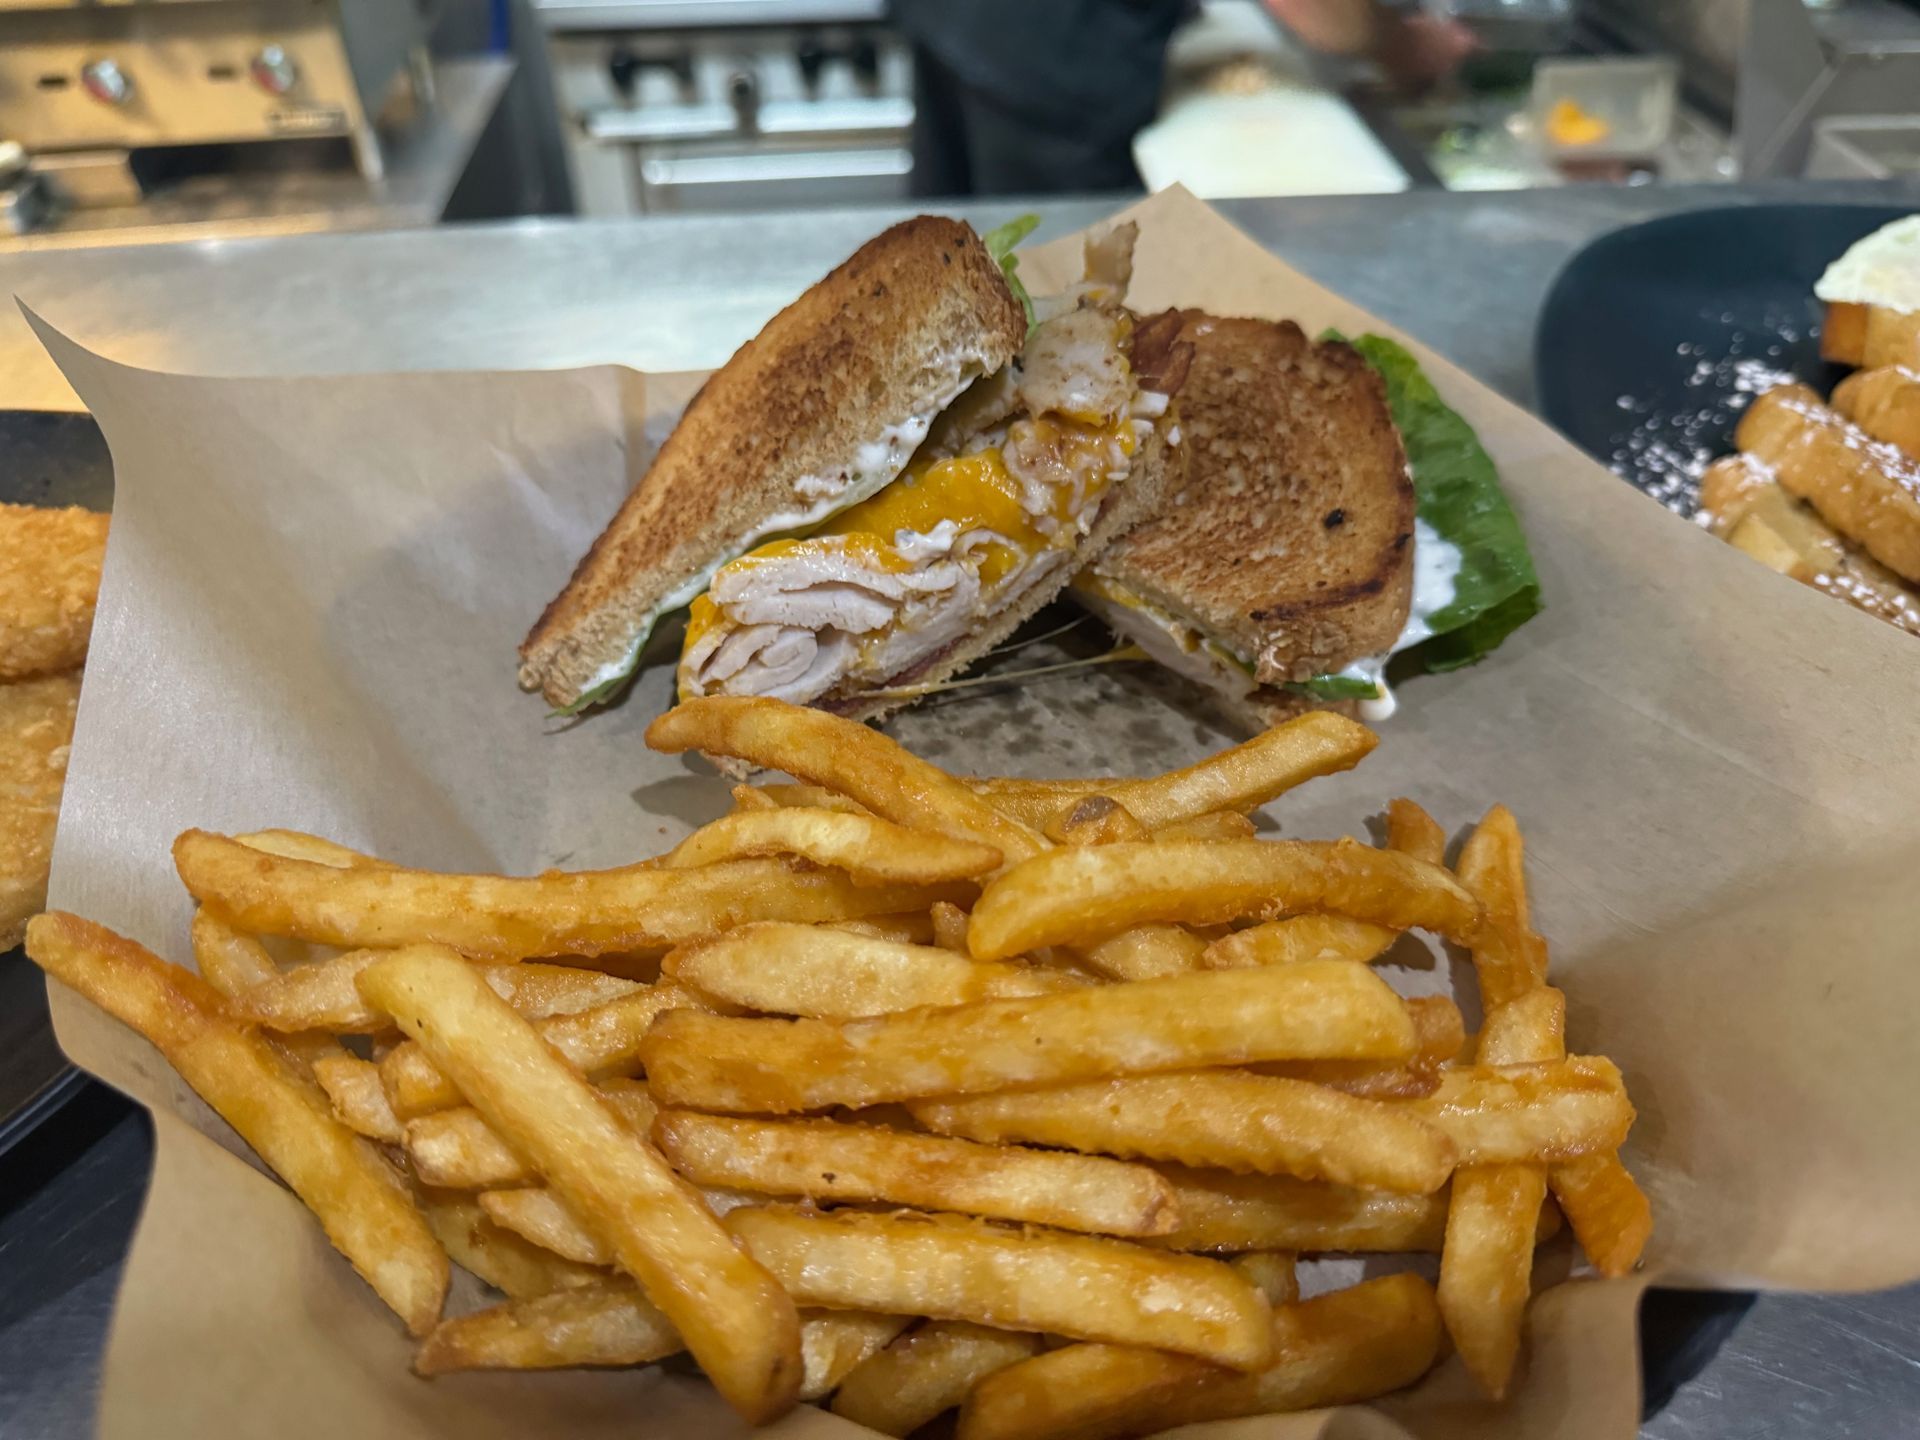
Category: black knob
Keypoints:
(623, 68)
(865, 56)
(812, 58)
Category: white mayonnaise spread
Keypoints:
(1436, 568)
(1883, 270)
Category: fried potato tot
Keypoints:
(873, 851)
(846, 757)
(505, 1261)
(953, 1269)
(1338, 1349)
(1076, 896)
(735, 1318)
(829, 974)
(1530, 1112)
(494, 917)
(1226, 1119)
(323, 995)
(36, 729)
(1315, 1010)
(361, 1203)
(827, 1160)
(926, 1373)
(49, 581)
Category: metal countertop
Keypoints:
(1464, 273)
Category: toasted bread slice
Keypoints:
(1868, 491)
(859, 364)
(1885, 403)
(1291, 541)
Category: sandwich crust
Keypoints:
(889, 335)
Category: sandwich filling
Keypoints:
(993, 503)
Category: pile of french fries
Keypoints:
(908, 1092)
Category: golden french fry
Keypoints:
(1554, 1112)
(505, 1261)
(948, 1268)
(1146, 952)
(458, 1150)
(1530, 1029)
(1272, 1272)
(801, 797)
(736, 1320)
(1078, 895)
(602, 1043)
(1301, 937)
(834, 1343)
(1486, 1266)
(1507, 956)
(1214, 825)
(608, 1322)
(236, 965)
(827, 1160)
(949, 927)
(358, 1098)
(830, 974)
(925, 1373)
(1094, 820)
(298, 845)
(505, 918)
(1223, 1118)
(873, 851)
(544, 1219)
(323, 995)
(910, 927)
(845, 756)
(361, 1203)
(1315, 1010)
(1439, 1032)
(1337, 1349)
(1223, 1211)
(1412, 831)
(1609, 1213)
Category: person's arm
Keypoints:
(1333, 27)
(1413, 49)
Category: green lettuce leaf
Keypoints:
(1337, 687)
(1000, 242)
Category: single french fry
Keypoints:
(799, 797)
(1272, 1272)
(830, 974)
(910, 927)
(541, 1217)
(1554, 1112)
(1609, 1213)
(1337, 1349)
(948, 1268)
(506, 918)
(827, 1160)
(1300, 937)
(1079, 895)
(949, 927)
(1223, 1118)
(607, 1322)
(323, 995)
(1412, 831)
(505, 1261)
(1530, 1029)
(873, 851)
(458, 1149)
(1146, 952)
(834, 1343)
(1222, 1211)
(358, 1098)
(601, 1043)
(1094, 820)
(844, 756)
(362, 1204)
(237, 965)
(298, 845)
(1486, 1266)
(739, 1324)
(1315, 1010)
(1507, 956)
(1214, 825)
(925, 1373)
(1439, 1033)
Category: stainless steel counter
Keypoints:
(1465, 273)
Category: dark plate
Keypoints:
(45, 459)
(1654, 339)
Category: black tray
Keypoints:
(45, 459)
(1654, 339)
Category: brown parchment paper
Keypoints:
(311, 600)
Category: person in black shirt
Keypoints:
(1030, 97)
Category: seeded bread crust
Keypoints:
(873, 343)
(1291, 541)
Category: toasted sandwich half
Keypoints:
(878, 487)
(1285, 557)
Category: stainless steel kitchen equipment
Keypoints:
(708, 105)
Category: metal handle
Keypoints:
(761, 169)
